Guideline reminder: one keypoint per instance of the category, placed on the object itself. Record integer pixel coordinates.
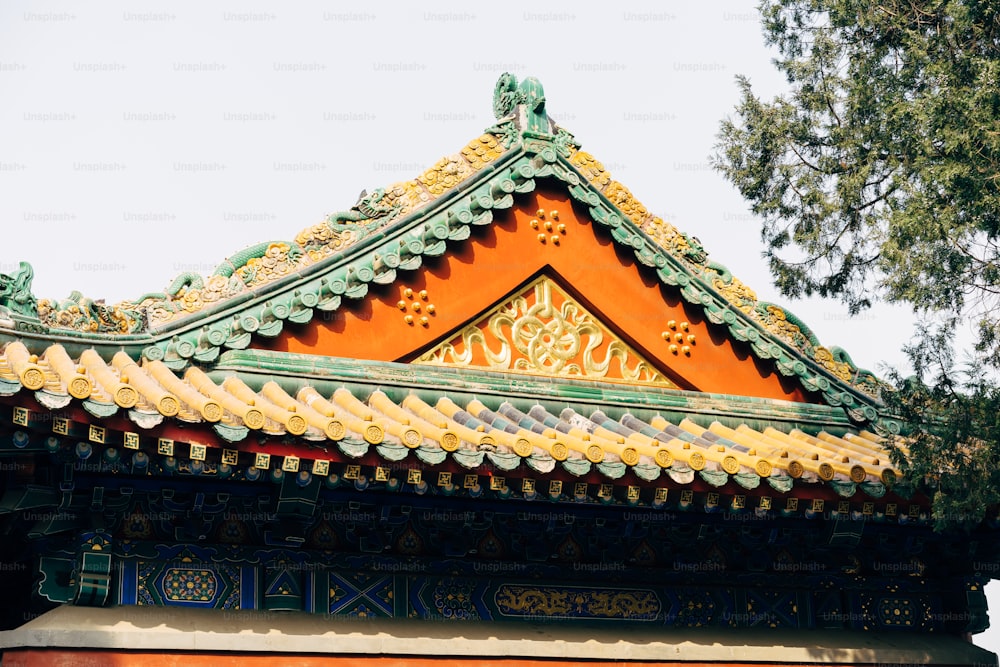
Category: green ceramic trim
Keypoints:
(292, 371)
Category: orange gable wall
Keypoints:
(477, 273)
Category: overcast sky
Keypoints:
(140, 140)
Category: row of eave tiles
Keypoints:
(152, 391)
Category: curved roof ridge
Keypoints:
(254, 291)
(269, 261)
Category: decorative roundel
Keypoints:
(254, 418)
(696, 461)
(412, 438)
(795, 469)
(595, 454)
(524, 448)
(560, 452)
(489, 441)
(764, 468)
(365, 274)
(374, 434)
(126, 396)
(858, 474)
(630, 457)
(888, 477)
(211, 411)
(449, 441)
(80, 387)
(216, 337)
(168, 406)
(335, 429)
(826, 472)
(296, 425)
(730, 465)
(664, 458)
(185, 349)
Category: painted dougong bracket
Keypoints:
(93, 571)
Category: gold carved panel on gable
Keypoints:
(543, 331)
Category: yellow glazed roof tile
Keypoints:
(400, 433)
(23, 365)
(786, 455)
(471, 437)
(210, 410)
(149, 389)
(342, 421)
(447, 440)
(249, 415)
(314, 425)
(123, 394)
(467, 427)
(514, 442)
(73, 377)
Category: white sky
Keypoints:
(139, 140)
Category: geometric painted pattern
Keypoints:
(361, 595)
(900, 612)
(455, 599)
(449, 598)
(502, 564)
(696, 608)
(188, 585)
(450, 590)
(896, 612)
(772, 609)
(215, 586)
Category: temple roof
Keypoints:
(511, 330)
(263, 290)
(481, 421)
(529, 383)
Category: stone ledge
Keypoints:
(206, 630)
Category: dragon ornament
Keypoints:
(83, 314)
(15, 291)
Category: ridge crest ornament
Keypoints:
(506, 96)
(15, 291)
